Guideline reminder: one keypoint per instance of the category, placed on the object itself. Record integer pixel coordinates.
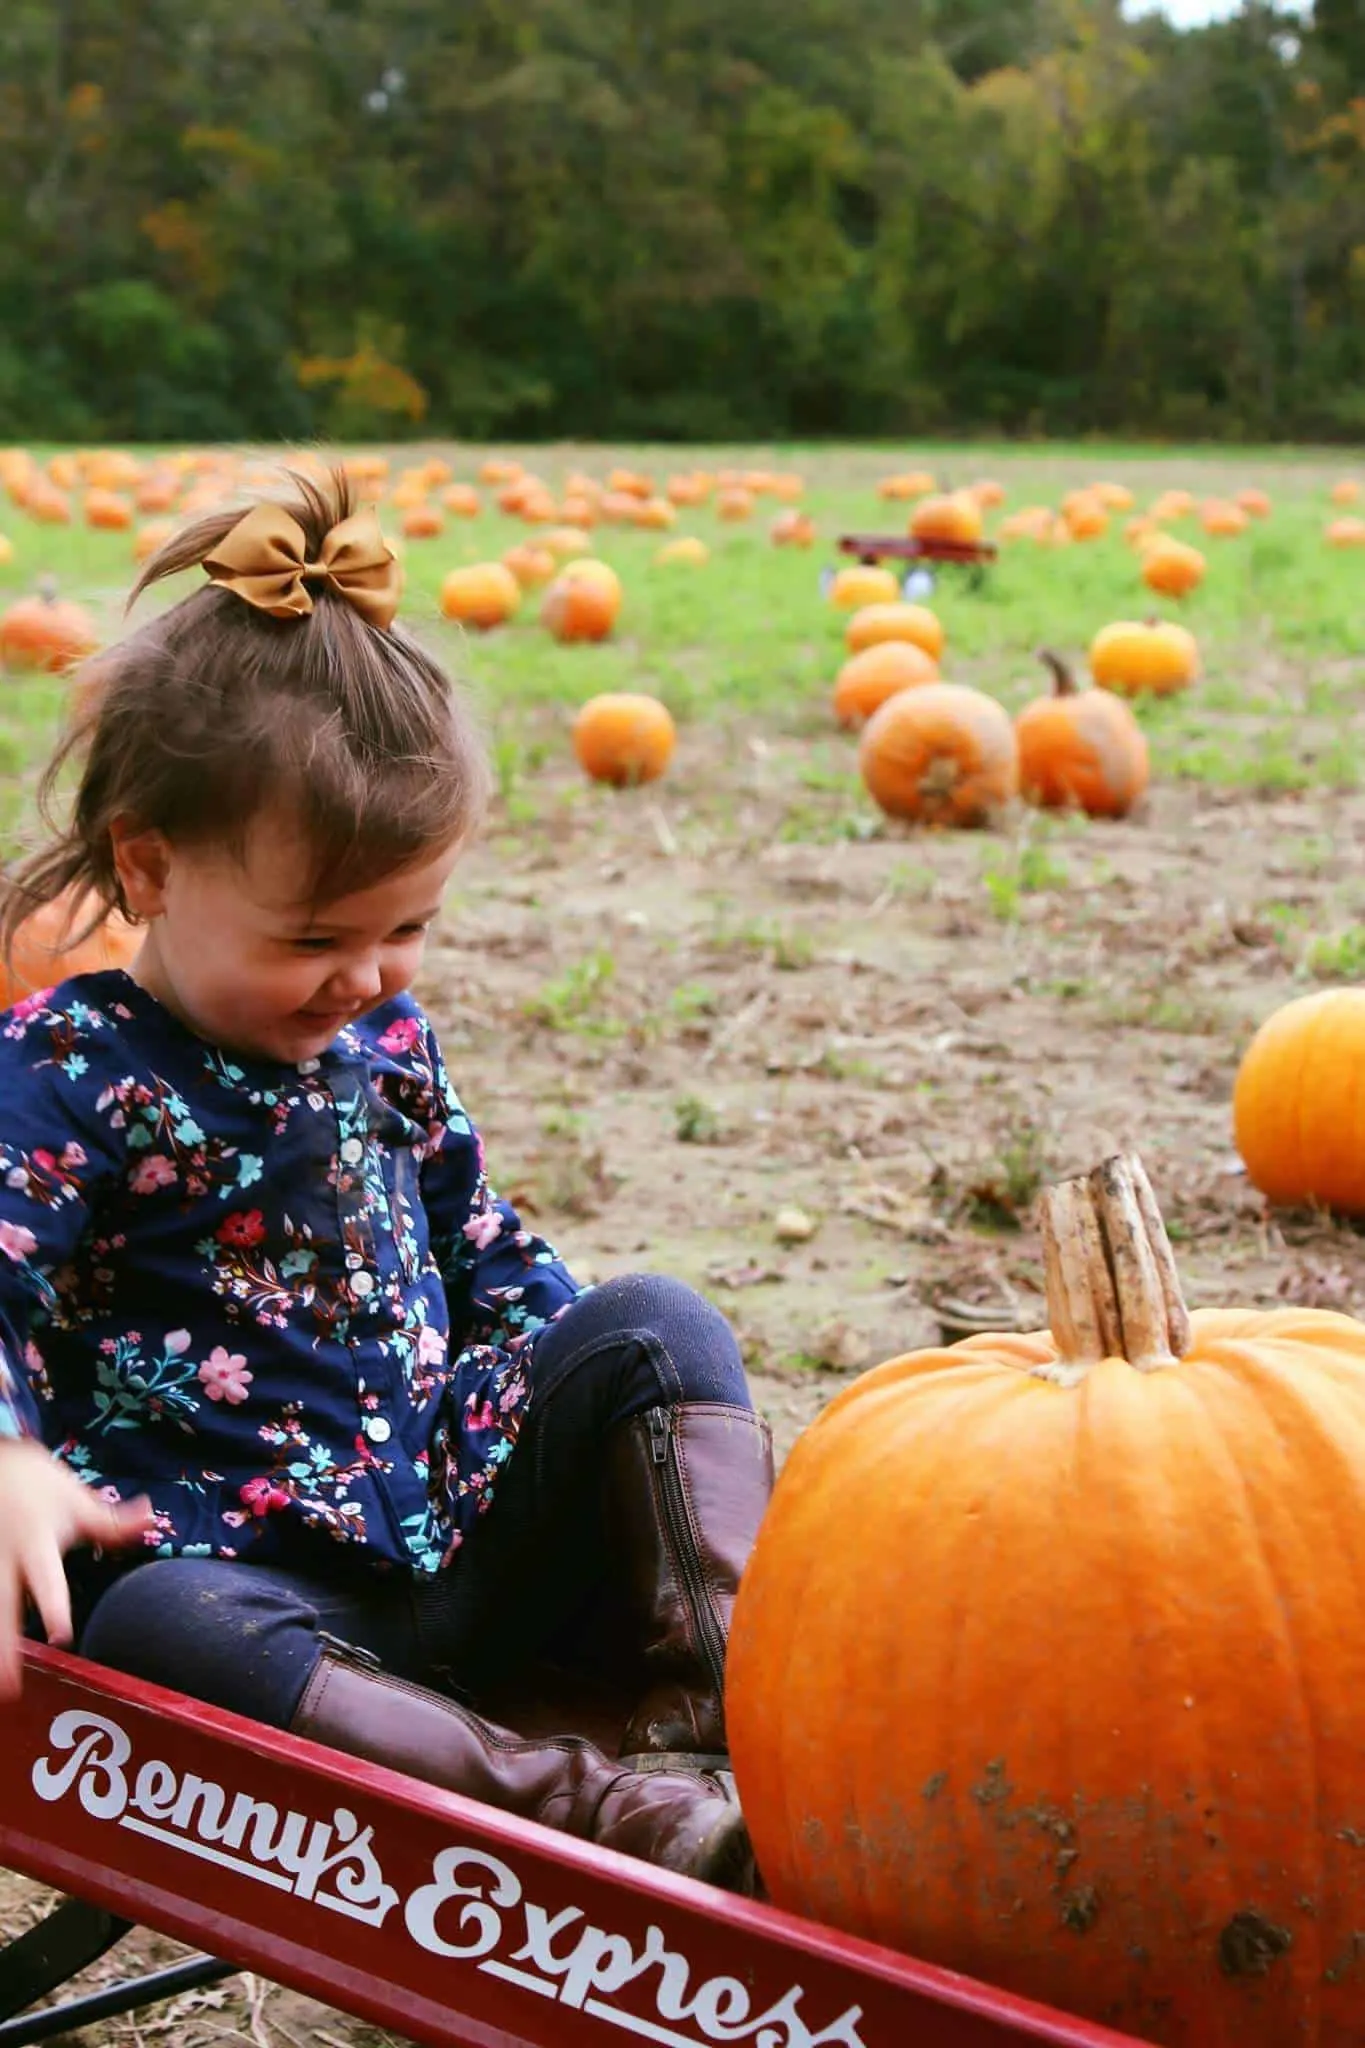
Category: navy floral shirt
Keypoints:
(282, 1301)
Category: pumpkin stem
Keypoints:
(1112, 1286)
(1063, 682)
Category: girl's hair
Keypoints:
(215, 710)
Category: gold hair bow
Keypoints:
(264, 560)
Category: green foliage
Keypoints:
(682, 221)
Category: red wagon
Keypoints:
(873, 548)
(427, 1913)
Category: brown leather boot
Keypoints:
(689, 1823)
(685, 1492)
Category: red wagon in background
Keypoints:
(429, 1914)
(974, 556)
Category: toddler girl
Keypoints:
(331, 1437)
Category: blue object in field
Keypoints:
(826, 580)
(919, 582)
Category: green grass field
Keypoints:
(678, 1011)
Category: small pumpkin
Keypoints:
(1153, 655)
(734, 504)
(866, 680)
(1347, 492)
(1346, 533)
(1222, 518)
(624, 737)
(46, 632)
(42, 953)
(483, 595)
(1086, 516)
(531, 566)
(1084, 1718)
(1080, 749)
(108, 510)
(954, 517)
(151, 535)
(793, 530)
(940, 755)
(463, 500)
(1168, 506)
(1172, 568)
(878, 622)
(1254, 502)
(580, 604)
(911, 483)
(687, 548)
(423, 521)
(850, 589)
(1114, 497)
(1295, 1104)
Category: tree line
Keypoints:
(679, 219)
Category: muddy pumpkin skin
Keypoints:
(1059, 1685)
(940, 754)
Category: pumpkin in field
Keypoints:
(46, 632)
(793, 530)
(908, 484)
(1084, 1721)
(734, 504)
(1080, 749)
(151, 535)
(1254, 502)
(1295, 1106)
(531, 566)
(485, 594)
(1114, 497)
(42, 954)
(1346, 533)
(1133, 656)
(1347, 492)
(1221, 517)
(583, 601)
(687, 548)
(461, 499)
(108, 510)
(866, 680)
(954, 517)
(878, 622)
(624, 737)
(851, 589)
(940, 755)
(1172, 568)
(1086, 516)
(1170, 505)
(6, 550)
(423, 521)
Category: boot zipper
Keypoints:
(678, 1523)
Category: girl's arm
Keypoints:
(56, 1149)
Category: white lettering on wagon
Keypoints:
(472, 1909)
(329, 1862)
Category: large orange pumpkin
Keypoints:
(583, 601)
(878, 622)
(624, 737)
(484, 594)
(1346, 533)
(1154, 655)
(1296, 1105)
(41, 954)
(941, 755)
(46, 632)
(1080, 749)
(1347, 492)
(866, 680)
(1048, 1662)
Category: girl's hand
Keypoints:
(44, 1512)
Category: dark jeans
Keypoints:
(246, 1637)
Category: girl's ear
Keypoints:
(142, 861)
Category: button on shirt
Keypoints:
(280, 1300)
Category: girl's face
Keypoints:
(236, 952)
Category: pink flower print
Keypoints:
(224, 1376)
(482, 1418)
(401, 1035)
(29, 1006)
(431, 1346)
(152, 1173)
(244, 1228)
(263, 1497)
(481, 1230)
(16, 1242)
(72, 1155)
(44, 1161)
(177, 1343)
